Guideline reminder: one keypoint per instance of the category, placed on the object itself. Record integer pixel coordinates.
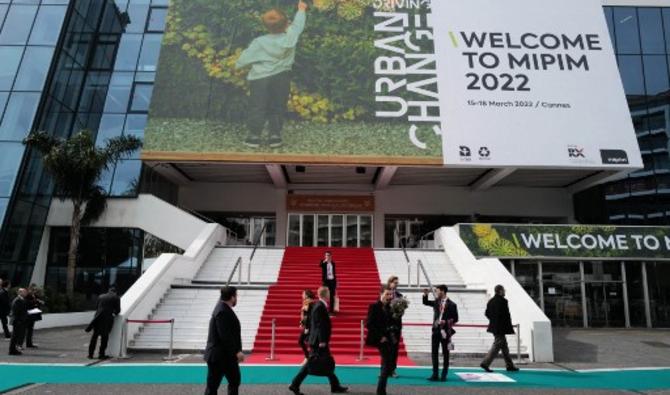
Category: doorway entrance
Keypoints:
(329, 230)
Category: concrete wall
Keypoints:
(410, 200)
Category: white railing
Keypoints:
(146, 293)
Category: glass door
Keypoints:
(605, 305)
(329, 230)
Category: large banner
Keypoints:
(327, 81)
(566, 241)
(531, 83)
(513, 83)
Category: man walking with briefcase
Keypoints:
(320, 362)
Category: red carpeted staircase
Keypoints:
(358, 286)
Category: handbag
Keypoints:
(321, 364)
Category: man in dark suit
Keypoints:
(320, 329)
(34, 302)
(5, 307)
(223, 353)
(329, 278)
(500, 325)
(445, 315)
(109, 305)
(384, 334)
(19, 321)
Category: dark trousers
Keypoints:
(5, 326)
(332, 287)
(267, 103)
(104, 337)
(499, 344)
(215, 373)
(389, 354)
(30, 327)
(302, 341)
(436, 342)
(304, 372)
(18, 334)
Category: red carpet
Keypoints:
(358, 286)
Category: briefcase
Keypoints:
(321, 364)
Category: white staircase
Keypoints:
(191, 304)
(393, 262)
(471, 302)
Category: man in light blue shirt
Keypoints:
(271, 58)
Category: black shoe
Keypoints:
(512, 369)
(15, 352)
(295, 390)
(275, 142)
(103, 357)
(252, 142)
(433, 378)
(486, 368)
(340, 390)
(443, 378)
(91, 357)
(394, 375)
(31, 346)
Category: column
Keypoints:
(585, 312)
(645, 288)
(626, 310)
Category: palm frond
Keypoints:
(95, 205)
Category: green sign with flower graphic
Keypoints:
(566, 241)
(290, 81)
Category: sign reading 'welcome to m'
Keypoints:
(569, 241)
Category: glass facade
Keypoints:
(132, 83)
(61, 53)
(106, 257)
(641, 37)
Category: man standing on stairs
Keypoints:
(319, 339)
(329, 278)
(500, 325)
(223, 353)
(445, 315)
(384, 334)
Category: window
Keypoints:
(34, 69)
(630, 68)
(126, 178)
(156, 22)
(141, 97)
(626, 29)
(655, 74)
(19, 116)
(651, 31)
(129, 51)
(17, 24)
(49, 20)
(111, 125)
(119, 93)
(150, 51)
(11, 58)
(10, 159)
(138, 17)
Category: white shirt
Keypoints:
(329, 271)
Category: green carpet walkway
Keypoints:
(13, 376)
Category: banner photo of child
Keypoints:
(328, 81)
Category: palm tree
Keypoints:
(75, 165)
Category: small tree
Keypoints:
(76, 165)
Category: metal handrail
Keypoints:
(253, 252)
(421, 269)
(396, 233)
(432, 232)
(238, 265)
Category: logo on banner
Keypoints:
(465, 153)
(576, 152)
(614, 156)
(484, 153)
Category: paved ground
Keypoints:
(310, 390)
(575, 349)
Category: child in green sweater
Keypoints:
(271, 58)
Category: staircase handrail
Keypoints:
(422, 269)
(396, 233)
(425, 235)
(237, 268)
(253, 252)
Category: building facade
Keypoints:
(102, 78)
